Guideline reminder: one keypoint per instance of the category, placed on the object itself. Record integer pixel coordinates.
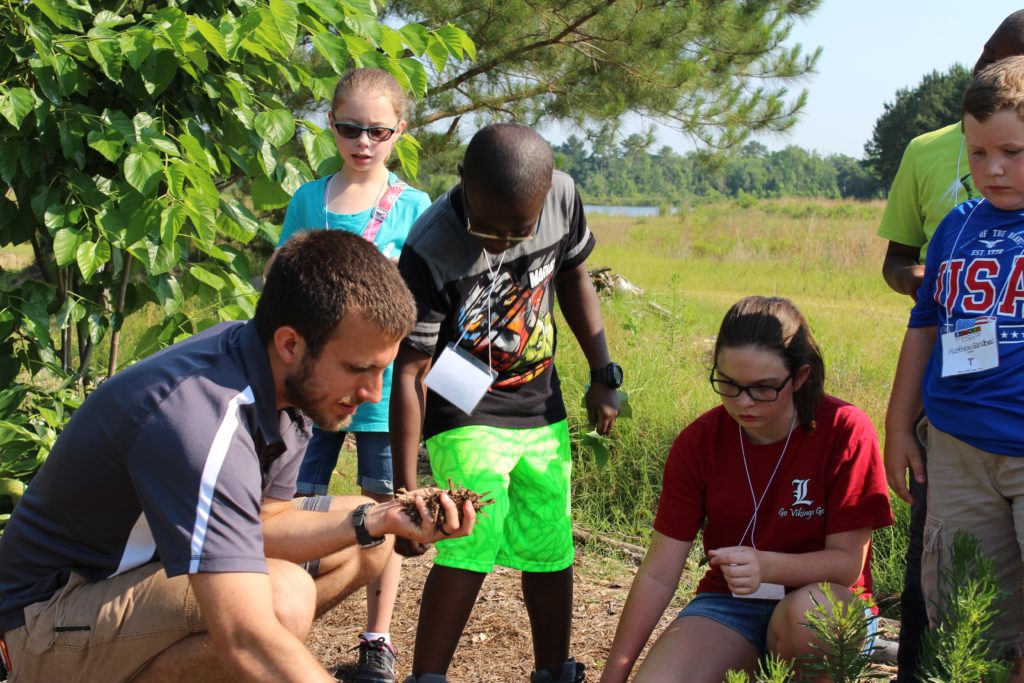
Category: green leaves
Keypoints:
(142, 144)
(15, 104)
(601, 445)
(322, 152)
(278, 27)
(142, 169)
(91, 256)
(275, 126)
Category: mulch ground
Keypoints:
(495, 646)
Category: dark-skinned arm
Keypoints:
(582, 310)
(408, 406)
(901, 268)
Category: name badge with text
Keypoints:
(460, 377)
(971, 349)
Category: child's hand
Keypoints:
(394, 520)
(740, 566)
(901, 454)
(602, 407)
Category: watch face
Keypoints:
(616, 374)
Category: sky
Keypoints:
(871, 49)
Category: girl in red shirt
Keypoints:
(787, 484)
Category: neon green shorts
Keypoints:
(527, 473)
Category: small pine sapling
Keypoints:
(840, 629)
(960, 648)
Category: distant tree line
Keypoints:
(628, 172)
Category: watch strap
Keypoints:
(359, 523)
(610, 374)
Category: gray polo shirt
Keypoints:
(170, 459)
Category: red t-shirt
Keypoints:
(828, 482)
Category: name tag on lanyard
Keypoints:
(460, 377)
(766, 591)
(973, 348)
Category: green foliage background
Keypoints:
(931, 104)
(125, 130)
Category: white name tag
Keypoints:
(766, 591)
(971, 349)
(460, 377)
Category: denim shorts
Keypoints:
(750, 617)
(373, 454)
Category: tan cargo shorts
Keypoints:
(103, 631)
(981, 493)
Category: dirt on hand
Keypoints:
(433, 502)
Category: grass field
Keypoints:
(822, 255)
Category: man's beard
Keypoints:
(303, 392)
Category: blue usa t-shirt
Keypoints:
(306, 211)
(975, 268)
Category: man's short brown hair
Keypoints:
(998, 87)
(318, 276)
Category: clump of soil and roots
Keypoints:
(433, 502)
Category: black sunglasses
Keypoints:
(351, 131)
(497, 237)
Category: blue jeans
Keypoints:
(750, 617)
(373, 454)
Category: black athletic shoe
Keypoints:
(572, 672)
(376, 662)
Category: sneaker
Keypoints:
(572, 672)
(426, 678)
(376, 662)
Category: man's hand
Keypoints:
(901, 454)
(602, 407)
(741, 567)
(390, 518)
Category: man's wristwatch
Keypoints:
(359, 522)
(610, 374)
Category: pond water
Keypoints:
(630, 211)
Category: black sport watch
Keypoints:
(610, 374)
(359, 522)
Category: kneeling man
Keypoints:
(159, 541)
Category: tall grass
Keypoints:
(693, 266)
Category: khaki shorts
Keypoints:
(981, 493)
(104, 631)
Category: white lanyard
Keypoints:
(752, 524)
(490, 295)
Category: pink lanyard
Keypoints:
(381, 211)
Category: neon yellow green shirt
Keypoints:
(932, 179)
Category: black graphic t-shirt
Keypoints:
(453, 280)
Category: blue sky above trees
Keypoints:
(872, 48)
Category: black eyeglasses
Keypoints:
(764, 393)
(495, 236)
(351, 131)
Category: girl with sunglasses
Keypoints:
(787, 484)
(364, 197)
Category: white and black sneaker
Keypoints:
(377, 662)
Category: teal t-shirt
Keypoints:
(306, 211)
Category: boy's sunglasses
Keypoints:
(351, 131)
(502, 237)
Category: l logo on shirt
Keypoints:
(800, 492)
